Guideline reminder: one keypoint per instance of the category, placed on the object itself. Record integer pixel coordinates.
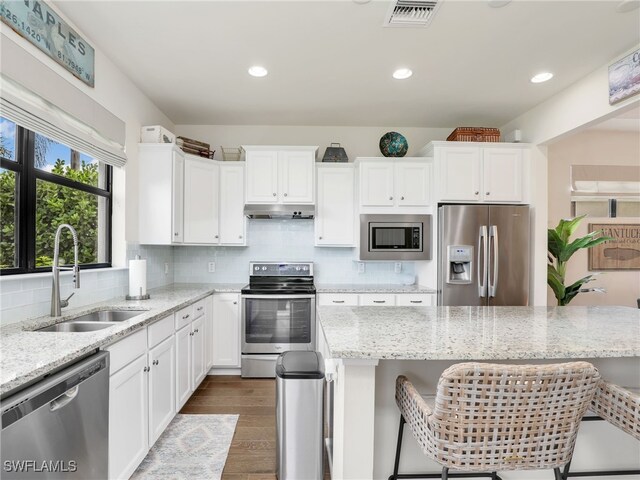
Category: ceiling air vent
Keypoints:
(410, 13)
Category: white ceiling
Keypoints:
(330, 62)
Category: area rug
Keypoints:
(193, 447)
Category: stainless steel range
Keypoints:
(278, 314)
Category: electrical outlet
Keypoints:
(212, 267)
(397, 267)
(360, 267)
(166, 268)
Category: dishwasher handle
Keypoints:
(64, 399)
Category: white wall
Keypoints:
(592, 148)
(120, 96)
(357, 141)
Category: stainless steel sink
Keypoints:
(108, 316)
(93, 321)
(75, 326)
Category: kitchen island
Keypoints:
(371, 346)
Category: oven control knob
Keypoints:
(264, 268)
(298, 269)
(256, 268)
(305, 268)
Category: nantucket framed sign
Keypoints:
(624, 77)
(621, 253)
(39, 24)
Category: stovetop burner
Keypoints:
(280, 278)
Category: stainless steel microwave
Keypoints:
(395, 237)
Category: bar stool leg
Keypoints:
(558, 475)
(398, 448)
(445, 473)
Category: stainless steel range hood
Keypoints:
(256, 210)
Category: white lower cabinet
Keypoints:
(183, 366)
(128, 418)
(197, 352)
(226, 330)
(377, 299)
(208, 332)
(162, 381)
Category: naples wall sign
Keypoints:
(39, 24)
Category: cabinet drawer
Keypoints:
(160, 330)
(414, 299)
(378, 299)
(198, 308)
(337, 299)
(184, 317)
(127, 350)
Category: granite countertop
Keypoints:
(480, 333)
(27, 355)
(371, 288)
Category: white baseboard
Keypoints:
(224, 371)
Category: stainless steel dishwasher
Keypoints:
(58, 428)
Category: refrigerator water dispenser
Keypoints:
(460, 262)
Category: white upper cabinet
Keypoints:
(412, 184)
(376, 184)
(201, 201)
(460, 174)
(280, 174)
(161, 194)
(232, 219)
(502, 174)
(296, 171)
(262, 176)
(477, 172)
(397, 183)
(335, 214)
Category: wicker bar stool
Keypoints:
(491, 417)
(620, 407)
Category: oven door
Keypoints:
(277, 323)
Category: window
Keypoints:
(43, 184)
(608, 191)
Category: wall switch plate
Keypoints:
(397, 267)
(360, 267)
(211, 267)
(166, 268)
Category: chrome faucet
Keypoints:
(56, 303)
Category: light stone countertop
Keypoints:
(27, 355)
(480, 333)
(371, 288)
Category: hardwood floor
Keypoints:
(252, 455)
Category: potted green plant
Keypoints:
(560, 251)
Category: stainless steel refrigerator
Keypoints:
(483, 255)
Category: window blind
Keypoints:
(31, 111)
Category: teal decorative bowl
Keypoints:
(393, 144)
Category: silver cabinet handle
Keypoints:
(415, 301)
(146, 369)
(239, 236)
(482, 258)
(191, 334)
(235, 302)
(274, 195)
(175, 234)
(196, 330)
(217, 236)
(390, 198)
(199, 309)
(488, 193)
(401, 198)
(338, 301)
(156, 362)
(184, 317)
(476, 193)
(379, 301)
(493, 235)
(319, 238)
(285, 194)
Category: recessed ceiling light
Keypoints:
(258, 71)
(402, 73)
(541, 77)
(498, 3)
(627, 6)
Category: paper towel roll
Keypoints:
(137, 277)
